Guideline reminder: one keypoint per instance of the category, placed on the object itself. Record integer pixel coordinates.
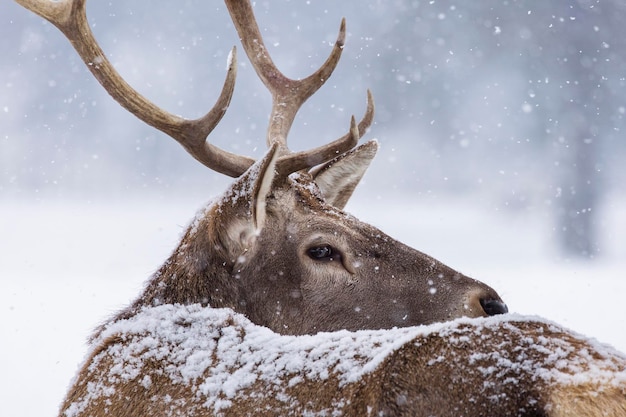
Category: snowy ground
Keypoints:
(66, 266)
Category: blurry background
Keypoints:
(516, 104)
(501, 126)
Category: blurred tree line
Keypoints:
(554, 71)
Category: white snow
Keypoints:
(194, 340)
(221, 354)
(66, 266)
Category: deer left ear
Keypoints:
(239, 215)
(338, 178)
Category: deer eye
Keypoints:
(322, 253)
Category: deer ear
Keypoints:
(239, 215)
(338, 178)
(262, 185)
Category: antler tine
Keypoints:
(287, 95)
(70, 17)
(303, 160)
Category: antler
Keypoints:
(288, 95)
(70, 17)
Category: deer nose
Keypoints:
(493, 307)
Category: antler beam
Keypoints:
(69, 16)
(288, 95)
(303, 160)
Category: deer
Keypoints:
(278, 302)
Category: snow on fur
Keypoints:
(220, 353)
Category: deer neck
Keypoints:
(195, 273)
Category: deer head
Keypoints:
(276, 246)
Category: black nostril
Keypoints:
(493, 307)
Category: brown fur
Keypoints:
(589, 400)
(487, 367)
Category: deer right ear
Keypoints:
(338, 178)
(239, 215)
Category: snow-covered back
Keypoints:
(221, 355)
(229, 353)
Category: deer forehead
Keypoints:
(303, 213)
